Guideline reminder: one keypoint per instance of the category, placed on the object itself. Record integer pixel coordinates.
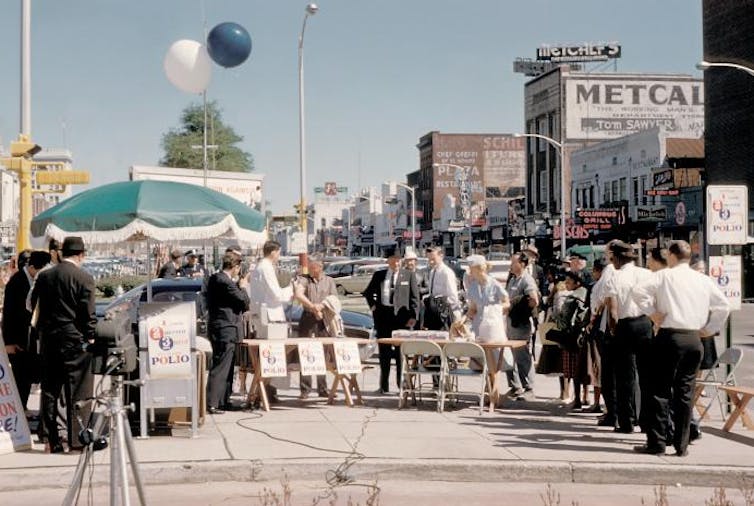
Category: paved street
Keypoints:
(743, 336)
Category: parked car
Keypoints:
(359, 280)
(348, 267)
(355, 324)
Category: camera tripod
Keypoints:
(121, 442)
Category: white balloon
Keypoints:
(188, 66)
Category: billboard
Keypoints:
(607, 107)
(579, 53)
(490, 166)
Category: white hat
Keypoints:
(410, 255)
(476, 260)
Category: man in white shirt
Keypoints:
(441, 306)
(688, 305)
(266, 295)
(264, 290)
(632, 339)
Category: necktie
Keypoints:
(432, 283)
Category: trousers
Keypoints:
(68, 368)
(678, 354)
(632, 336)
(220, 380)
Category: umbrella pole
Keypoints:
(149, 272)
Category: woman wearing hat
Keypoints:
(487, 301)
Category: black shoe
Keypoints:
(624, 430)
(695, 433)
(324, 394)
(215, 411)
(606, 422)
(649, 450)
(57, 448)
(681, 453)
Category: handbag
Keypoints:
(569, 341)
(437, 313)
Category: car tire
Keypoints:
(341, 290)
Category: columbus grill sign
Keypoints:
(601, 219)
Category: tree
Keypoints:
(178, 142)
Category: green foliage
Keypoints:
(227, 156)
(107, 286)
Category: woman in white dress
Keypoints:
(487, 300)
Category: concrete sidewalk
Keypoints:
(534, 441)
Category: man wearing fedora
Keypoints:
(66, 324)
(393, 297)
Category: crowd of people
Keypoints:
(632, 334)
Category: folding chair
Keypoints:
(414, 353)
(474, 352)
(731, 357)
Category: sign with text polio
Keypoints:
(726, 272)
(272, 359)
(169, 341)
(727, 214)
(347, 359)
(311, 356)
(14, 431)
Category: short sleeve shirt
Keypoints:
(517, 286)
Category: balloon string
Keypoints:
(204, 19)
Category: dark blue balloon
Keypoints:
(229, 44)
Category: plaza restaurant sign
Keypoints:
(607, 107)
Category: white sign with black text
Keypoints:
(169, 344)
(311, 356)
(347, 359)
(272, 359)
(727, 214)
(725, 271)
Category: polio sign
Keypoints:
(727, 214)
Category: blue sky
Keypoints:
(379, 75)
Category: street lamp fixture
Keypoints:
(705, 65)
(558, 145)
(311, 10)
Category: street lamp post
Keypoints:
(704, 65)
(558, 145)
(465, 182)
(311, 10)
(413, 213)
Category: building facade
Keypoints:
(458, 174)
(579, 109)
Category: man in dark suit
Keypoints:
(393, 297)
(192, 268)
(19, 337)
(171, 268)
(227, 300)
(65, 297)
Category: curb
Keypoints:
(458, 470)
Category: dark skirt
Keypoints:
(570, 361)
(549, 361)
